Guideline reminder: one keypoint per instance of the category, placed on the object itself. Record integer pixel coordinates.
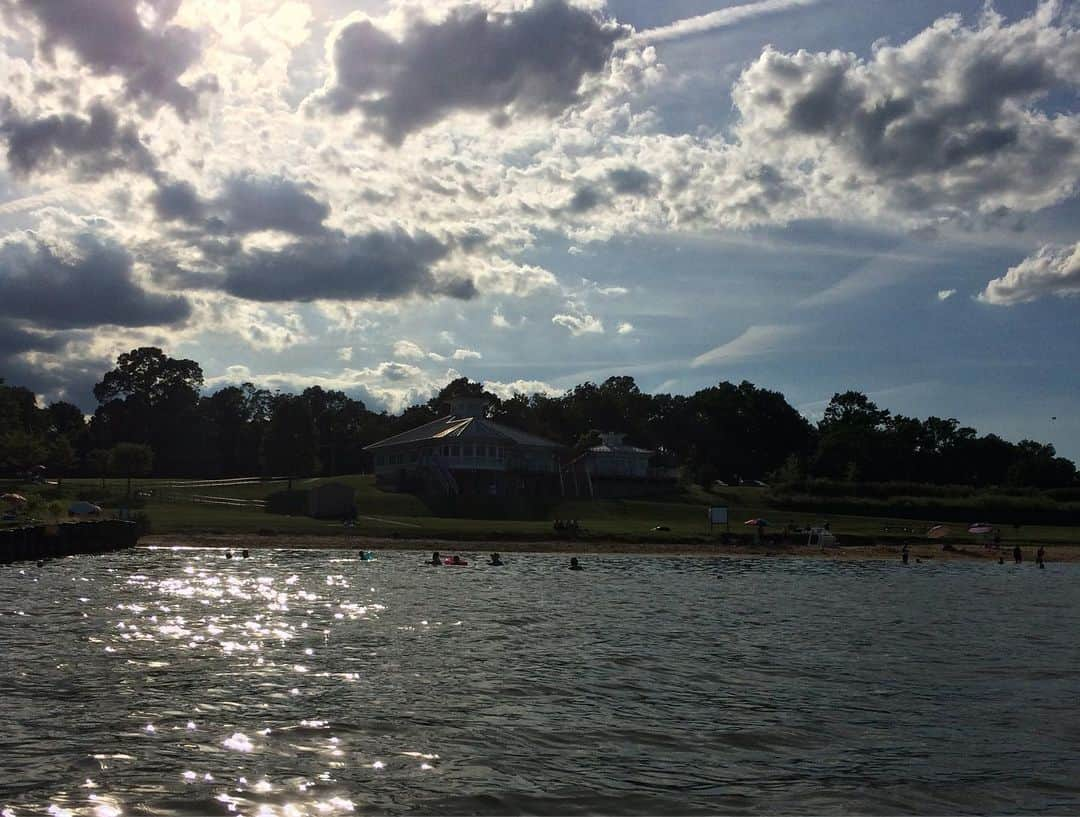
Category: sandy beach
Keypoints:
(925, 552)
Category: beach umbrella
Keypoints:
(981, 527)
(761, 523)
(937, 531)
(81, 508)
(14, 499)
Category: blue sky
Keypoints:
(381, 196)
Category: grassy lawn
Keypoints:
(386, 514)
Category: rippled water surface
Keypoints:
(176, 682)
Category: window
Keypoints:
(467, 450)
(499, 452)
(455, 451)
(446, 451)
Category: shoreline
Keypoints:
(861, 552)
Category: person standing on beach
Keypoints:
(1040, 556)
(905, 553)
(1018, 556)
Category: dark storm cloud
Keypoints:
(584, 199)
(247, 204)
(110, 38)
(90, 145)
(631, 181)
(380, 265)
(526, 62)
(14, 340)
(177, 201)
(88, 285)
(252, 203)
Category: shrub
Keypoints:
(292, 503)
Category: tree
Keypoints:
(97, 462)
(290, 444)
(66, 419)
(59, 457)
(150, 374)
(131, 459)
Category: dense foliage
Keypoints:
(153, 416)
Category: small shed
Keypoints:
(332, 500)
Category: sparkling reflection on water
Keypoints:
(176, 682)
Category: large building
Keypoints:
(465, 453)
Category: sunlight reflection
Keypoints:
(239, 742)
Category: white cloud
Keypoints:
(1053, 270)
(504, 391)
(345, 353)
(466, 354)
(945, 294)
(754, 342)
(579, 322)
(499, 321)
(407, 349)
(625, 328)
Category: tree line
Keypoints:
(153, 417)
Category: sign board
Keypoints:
(718, 516)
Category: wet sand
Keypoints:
(890, 551)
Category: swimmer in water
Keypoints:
(228, 554)
(574, 564)
(245, 553)
(435, 558)
(495, 560)
(457, 560)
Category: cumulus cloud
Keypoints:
(945, 294)
(408, 349)
(504, 391)
(83, 282)
(755, 341)
(1053, 270)
(90, 146)
(379, 265)
(631, 181)
(133, 39)
(579, 322)
(247, 203)
(625, 328)
(505, 64)
(944, 124)
(466, 354)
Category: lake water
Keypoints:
(176, 682)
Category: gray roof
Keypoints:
(618, 449)
(452, 427)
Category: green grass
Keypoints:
(386, 513)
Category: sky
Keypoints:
(379, 196)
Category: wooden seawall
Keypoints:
(65, 539)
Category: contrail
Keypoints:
(716, 19)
